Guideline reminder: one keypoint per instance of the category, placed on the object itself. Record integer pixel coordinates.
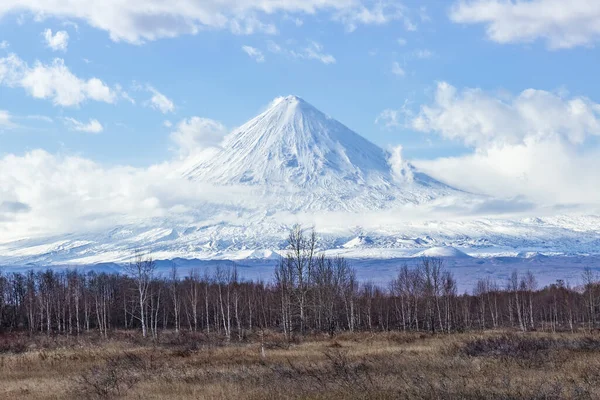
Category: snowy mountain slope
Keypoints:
(264, 237)
(309, 161)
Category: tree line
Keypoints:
(308, 293)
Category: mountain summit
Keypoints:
(293, 142)
(293, 147)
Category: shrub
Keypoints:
(113, 379)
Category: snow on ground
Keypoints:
(442, 252)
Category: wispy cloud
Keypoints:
(423, 53)
(254, 53)
(397, 69)
(313, 51)
(6, 120)
(379, 13)
(159, 101)
(93, 126)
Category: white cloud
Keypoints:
(389, 117)
(159, 101)
(397, 69)
(6, 121)
(401, 41)
(537, 144)
(548, 172)
(93, 126)
(167, 123)
(136, 21)
(57, 42)
(195, 134)
(254, 53)
(424, 15)
(72, 25)
(4, 118)
(562, 24)
(47, 194)
(4, 45)
(380, 13)
(53, 81)
(479, 119)
(274, 47)
(314, 51)
(401, 170)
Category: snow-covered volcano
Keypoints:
(294, 164)
(301, 155)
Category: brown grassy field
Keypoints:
(490, 365)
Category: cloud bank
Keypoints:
(536, 143)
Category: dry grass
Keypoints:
(491, 365)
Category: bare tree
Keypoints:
(513, 285)
(589, 282)
(142, 271)
(175, 298)
(301, 258)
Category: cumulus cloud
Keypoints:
(254, 53)
(195, 134)
(561, 24)
(483, 120)
(159, 101)
(536, 143)
(57, 42)
(137, 21)
(314, 51)
(4, 45)
(93, 126)
(53, 81)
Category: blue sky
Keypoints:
(208, 74)
(494, 97)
